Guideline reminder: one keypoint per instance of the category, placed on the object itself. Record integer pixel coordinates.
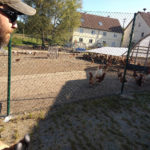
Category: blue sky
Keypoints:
(130, 6)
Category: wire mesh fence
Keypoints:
(39, 81)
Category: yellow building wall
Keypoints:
(98, 37)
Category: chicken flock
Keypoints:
(105, 59)
(139, 78)
(99, 75)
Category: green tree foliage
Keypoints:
(54, 20)
(21, 27)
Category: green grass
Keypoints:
(19, 39)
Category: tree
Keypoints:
(21, 27)
(54, 20)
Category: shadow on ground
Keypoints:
(108, 123)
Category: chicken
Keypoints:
(34, 53)
(101, 78)
(92, 79)
(119, 74)
(139, 79)
(139, 64)
(21, 145)
(120, 77)
(99, 72)
(134, 74)
(18, 59)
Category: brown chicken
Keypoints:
(120, 77)
(18, 59)
(134, 74)
(101, 78)
(92, 79)
(119, 74)
(139, 80)
(21, 145)
(96, 78)
(34, 53)
(94, 75)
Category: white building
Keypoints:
(141, 29)
(98, 31)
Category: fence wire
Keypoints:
(40, 80)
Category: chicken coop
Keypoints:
(139, 60)
(140, 55)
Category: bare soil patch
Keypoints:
(38, 82)
(75, 118)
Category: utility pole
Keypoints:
(123, 31)
(124, 20)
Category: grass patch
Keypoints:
(19, 39)
(143, 101)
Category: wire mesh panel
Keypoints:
(139, 62)
(52, 52)
(38, 82)
(141, 52)
(3, 82)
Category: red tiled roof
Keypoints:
(146, 17)
(108, 24)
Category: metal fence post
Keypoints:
(9, 78)
(129, 49)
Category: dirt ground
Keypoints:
(35, 77)
(39, 82)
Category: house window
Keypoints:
(93, 32)
(104, 33)
(100, 23)
(81, 30)
(82, 20)
(90, 41)
(113, 44)
(139, 25)
(80, 39)
(115, 35)
(142, 34)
